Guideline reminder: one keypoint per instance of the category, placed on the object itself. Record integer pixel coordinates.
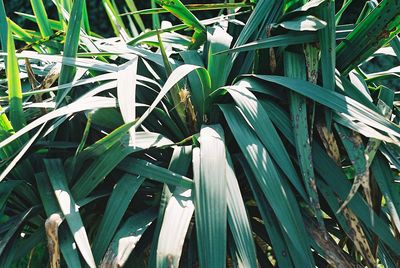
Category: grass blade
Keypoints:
(354, 146)
(384, 178)
(176, 222)
(275, 41)
(271, 223)
(41, 18)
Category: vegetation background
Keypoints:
(97, 13)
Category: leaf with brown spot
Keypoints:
(358, 237)
(295, 66)
(53, 245)
(329, 141)
(51, 77)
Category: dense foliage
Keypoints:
(258, 137)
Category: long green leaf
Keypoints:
(253, 111)
(70, 47)
(41, 17)
(3, 27)
(327, 40)
(295, 67)
(98, 170)
(270, 183)
(378, 28)
(271, 224)
(126, 90)
(154, 172)
(219, 40)
(275, 41)
(384, 178)
(335, 101)
(69, 208)
(177, 215)
(210, 198)
(69, 252)
(17, 116)
(6, 187)
(176, 221)
(238, 220)
(16, 224)
(331, 173)
(181, 12)
(125, 240)
(120, 198)
(354, 146)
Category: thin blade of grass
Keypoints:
(384, 178)
(87, 104)
(17, 222)
(202, 7)
(133, 10)
(271, 223)
(275, 41)
(331, 173)
(354, 146)
(41, 18)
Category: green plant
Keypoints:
(208, 143)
